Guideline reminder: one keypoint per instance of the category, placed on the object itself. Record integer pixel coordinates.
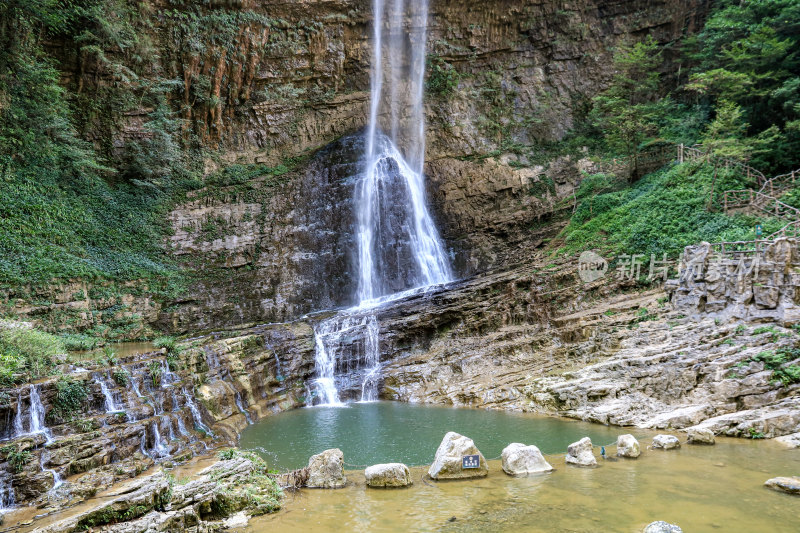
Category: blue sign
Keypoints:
(470, 461)
(758, 230)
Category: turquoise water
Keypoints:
(381, 432)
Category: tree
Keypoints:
(626, 112)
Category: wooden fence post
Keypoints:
(680, 153)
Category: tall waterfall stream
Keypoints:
(399, 249)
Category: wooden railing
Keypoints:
(792, 229)
(770, 205)
(738, 248)
(692, 153)
(780, 184)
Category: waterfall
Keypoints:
(37, 424)
(7, 500)
(238, 399)
(399, 249)
(159, 449)
(198, 420)
(18, 429)
(109, 398)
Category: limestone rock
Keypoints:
(581, 454)
(388, 475)
(447, 462)
(662, 527)
(790, 485)
(790, 441)
(666, 442)
(521, 460)
(326, 470)
(700, 436)
(628, 446)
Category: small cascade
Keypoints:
(109, 398)
(182, 427)
(212, 360)
(37, 424)
(7, 499)
(143, 445)
(57, 479)
(159, 448)
(278, 366)
(168, 377)
(171, 430)
(238, 399)
(347, 356)
(198, 420)
(19, 430)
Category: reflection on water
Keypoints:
(701, 488)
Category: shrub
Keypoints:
(26, 353)
(17, 458)
(70, 398)
(121, 376)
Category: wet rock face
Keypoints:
(448, 461)
(326, 470)
(581, 453)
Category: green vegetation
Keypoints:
(16, 456)
(442, 77)
(661, 213)
(121, 376)
(777, 362)
(70, 398)
(27, 353)
(155, 370)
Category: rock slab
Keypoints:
(522, 460)
(790, 485)
(700, 436)
(628, 446)
(581, 454)
(662, 527)
(666, 442)
(447, 462)
(388, 475)
(326, 470)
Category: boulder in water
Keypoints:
(581, 453)
(326, 470)
(628, 446)
(521, 460)
(700, 436)
(388, 475)
(790, 485)
(448, 463)
(666, 442)
(662, 527)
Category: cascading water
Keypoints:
(109, 398)
(37, 424)
(399, 248)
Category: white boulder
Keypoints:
(388, 475)
(666, 442)
(448, 461)
(521, 460)
(700, 436)
(581, 453)
(628, 446)
(662, 527)
(326, 470)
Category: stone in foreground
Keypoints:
(662, 527)
(666, 442)
(700, 436)
(580, 453)
(388, 475)
(521, 460)
(790, 441)
(628, 446)
(326, 470)
(789, 485)
(447, 463)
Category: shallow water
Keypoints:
(381, 432)
(701, 488)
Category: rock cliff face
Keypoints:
(517, 72)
